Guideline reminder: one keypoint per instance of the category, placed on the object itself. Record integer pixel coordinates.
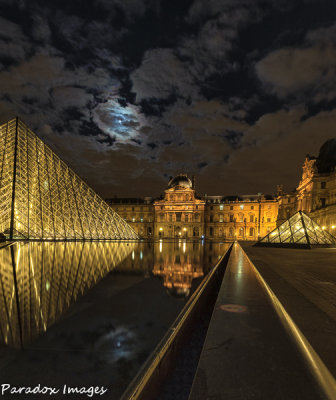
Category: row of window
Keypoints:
(251, 232)
(179, 217)
(179, 197)
(170, 207)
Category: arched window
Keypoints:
(241, 232)
(241, 217)
(251, 218)
(231, 233)
(251, 231)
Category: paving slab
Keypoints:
(305, 283)
(247, 352)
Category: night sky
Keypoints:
(130, 92)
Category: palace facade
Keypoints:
(316, 192)
(181, 213)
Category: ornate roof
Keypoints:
(180, 180)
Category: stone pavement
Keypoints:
(248, 354)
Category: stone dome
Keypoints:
(180, 180)
(326, 160)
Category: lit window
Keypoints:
(242, 206)
(221, 207)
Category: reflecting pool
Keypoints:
(91, 312)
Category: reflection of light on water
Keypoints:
(133, 255)
(44, 271)
(240, 265)
(160, 246)
(184, 247)
(141, 255)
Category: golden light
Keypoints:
(184, 229)
(160, 229)
(76, 209)
(323, 227)
(333, 227)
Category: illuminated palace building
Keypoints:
(180, 213)
(316, 192)
(41, 198)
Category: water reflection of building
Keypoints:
(39, 281)
(180, 213)
(178, 263)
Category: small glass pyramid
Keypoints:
(42, 198)
(298, 231)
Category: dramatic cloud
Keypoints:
(311, 68)
(161, 75)
(129, 92)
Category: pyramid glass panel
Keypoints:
(42, 198)
(298, 230)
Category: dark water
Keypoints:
(89, 314)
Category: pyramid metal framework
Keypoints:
(298, 231)
(42, 198)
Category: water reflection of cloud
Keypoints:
(116, 344)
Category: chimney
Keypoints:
(280, 190)
(193, 181)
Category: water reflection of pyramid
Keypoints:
(39, 281)
(42, 198)
(298, 231)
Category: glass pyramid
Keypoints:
(298, 231)
(42, 198)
